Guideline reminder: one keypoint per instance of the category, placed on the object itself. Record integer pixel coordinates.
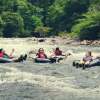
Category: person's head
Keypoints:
(1, 49)
(89, 53)
(57, 48)
(41, 50)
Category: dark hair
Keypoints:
(57, 48)
(40, 49)
(90, 53)
(1, 49)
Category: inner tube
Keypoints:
(58, 58)
(5, 60)
(41, 60)
(47, 60)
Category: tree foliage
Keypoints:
(89, 26)
(77, 18)
(13, 24)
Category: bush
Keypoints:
(24, 34)
(42, 31)
(62, 34)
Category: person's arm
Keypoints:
(37, 55)
(84, 59)
(68, 53)
(46, 56)
(11, 54)
(53, 54)
(6, 55)
(64, 54)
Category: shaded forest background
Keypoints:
(40, 18)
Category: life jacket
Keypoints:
(1, 54)
(4, 55)
(58, 52)
(41, 55)
(88, 58)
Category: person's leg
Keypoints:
(86, 65)
(59, 59)
(25, 57)
(52, 60)
(76, 63)
(20, 59)
(81, 63)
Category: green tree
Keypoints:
(29, 14)
(13, 24)
(36, 22)
(63, 13)
(44, 5)
(72, 17)
(88, 27)
(1, 26)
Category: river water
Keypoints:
(31, 81)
